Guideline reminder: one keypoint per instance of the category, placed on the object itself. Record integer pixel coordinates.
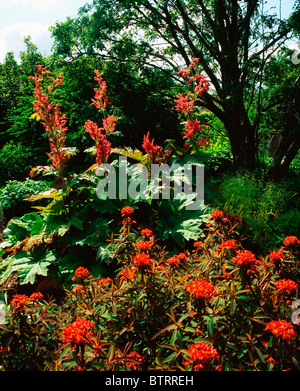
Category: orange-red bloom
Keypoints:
(155, 152)
(201, 289)
(184, 104)
(147, 232)
(230, 244)
(286, 285)
(128, 273)
(276, 256)
(36, 296)
(81, 273)
(134, 356)
(144, 245)
(217, 215)
(51, 118)
(101, 100)
(103, 146)
(198, 244)
(126, 211)
(201, 355)
(281, 328)
(245, 259)
(19, 302)
(104, 281)
(193, 128)
(78, 332)
(173, 261)
(291, 241)
(142, 259)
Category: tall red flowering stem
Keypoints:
(49, 113)
(186, 104)
(100, 134)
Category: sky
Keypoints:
(20, 18)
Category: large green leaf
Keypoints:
(178, 223)
(28, 225)
(26, 267)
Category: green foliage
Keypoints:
(15, 162)
(154, 316)
(270, 209)
(14, 195)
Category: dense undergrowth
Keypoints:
(217, 307)
(149, 282)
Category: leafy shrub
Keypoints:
(76, 223)
(219, 307)
(15, 162)
(270, 209)
(14, 194)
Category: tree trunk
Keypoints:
(242, 142)
(287, 150)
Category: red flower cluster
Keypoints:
(103, 146)
(81, 273)
(156, 153)
(286, 285)
(201, 355)
(201, 83)
(142, 260)
(144, 245)
(173, 261)
(201, 289)
(136, 357)
(99, 135)
(291, 241)
(198, 244)
(126, 211)
(128, 273)
(20, 301)
(78, 332)
(184, 103)
(101, 100)
(147, 232)
(176, 260)
(217, 215)
(281, 328)
(230, 244)
(109, 124)
(245, 259)
(276, 256)
(193, 128)
(104, 281)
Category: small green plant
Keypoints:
(14, 195)
(15, 162)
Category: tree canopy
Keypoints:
(234, 40)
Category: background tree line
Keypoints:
(140, 45)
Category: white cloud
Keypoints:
(44, 6)
(12, 38)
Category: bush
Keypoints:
(14, 194)
(269, 209)
(219, 307)
(15, 162)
